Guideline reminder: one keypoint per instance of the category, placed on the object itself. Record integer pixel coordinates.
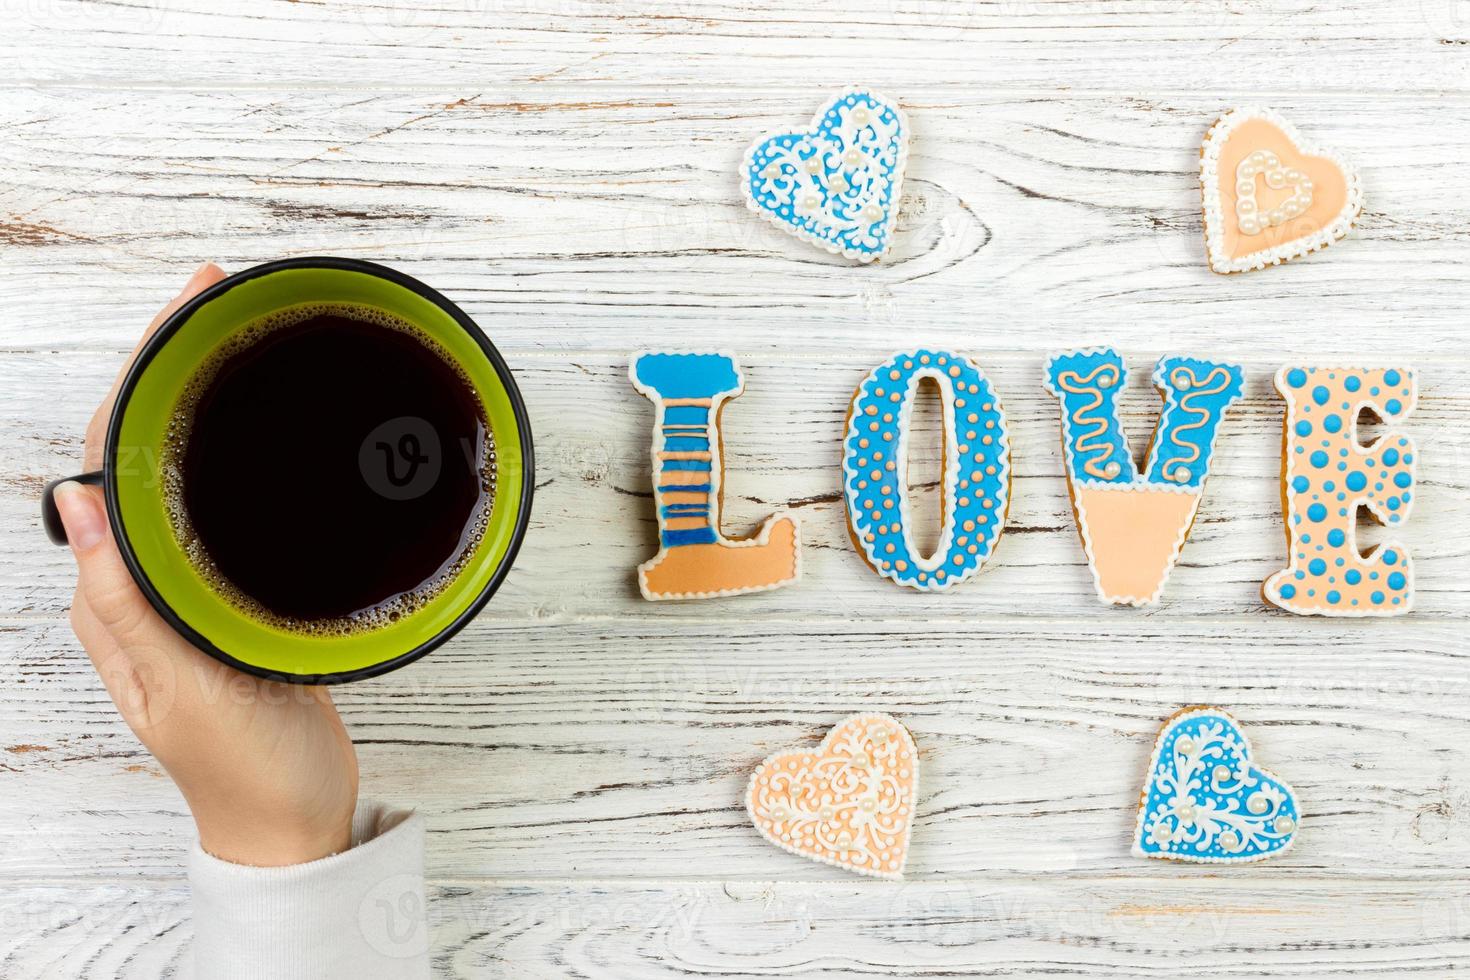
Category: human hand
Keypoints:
(266, 767)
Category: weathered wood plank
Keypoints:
(1109, 45)
(1218, 926)
(594, 520)
(563, 221)
(610, 750)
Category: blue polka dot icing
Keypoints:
(1206, 801)
(838, 182)
(1133, 522)
(1329, 476)
(977, 469)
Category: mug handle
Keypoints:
(50, 516)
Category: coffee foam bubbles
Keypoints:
(390, 610)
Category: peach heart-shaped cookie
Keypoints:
(1268, 197)
(848, 802)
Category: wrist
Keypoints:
(275, 842)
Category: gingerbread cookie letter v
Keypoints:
(1329, 477)
(977, 469)
(695, 561)
(1133, 524)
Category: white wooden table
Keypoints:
(565, 171)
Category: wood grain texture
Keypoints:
(565, 170)
(1009, 927)
(600, 219)
(489, 45)
(572, 751)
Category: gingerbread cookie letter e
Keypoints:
(1205, 801)
(977, 469)
(1133, 524)
(1328, 476)
(1268, 197)
(848, 802)
(835, 184)
(695, 561)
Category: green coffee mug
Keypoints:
(135, 494)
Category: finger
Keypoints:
(142, 682)
(102, 577)
(205, 276)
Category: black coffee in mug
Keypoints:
(330, 469)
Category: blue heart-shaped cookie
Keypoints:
(837, 183)
(1205, 801)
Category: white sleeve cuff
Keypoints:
(353, 915)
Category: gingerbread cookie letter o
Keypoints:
(977, 469)
(1328, 476)
(695, 561)
(1134, 524)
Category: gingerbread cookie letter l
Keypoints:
(1134, 524)
(1329, 475)
(977, 469)
(849, 802)
(1268, 197)
(695, 561)
(836, 183)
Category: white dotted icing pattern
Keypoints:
(1214, 215)
(1206, 802)
(1249, 217)
(849, 803)
(837, 183)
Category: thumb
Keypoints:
(103, 579)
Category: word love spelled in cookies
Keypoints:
(1134, 520)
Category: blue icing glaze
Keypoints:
(1088, 383)
(1301, 484)
(836, 184)
(1196, 394)
(1189, 813)
(977, 469)
(1320, 395)
(666, 376)
(1296, 377)
(687, 376)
